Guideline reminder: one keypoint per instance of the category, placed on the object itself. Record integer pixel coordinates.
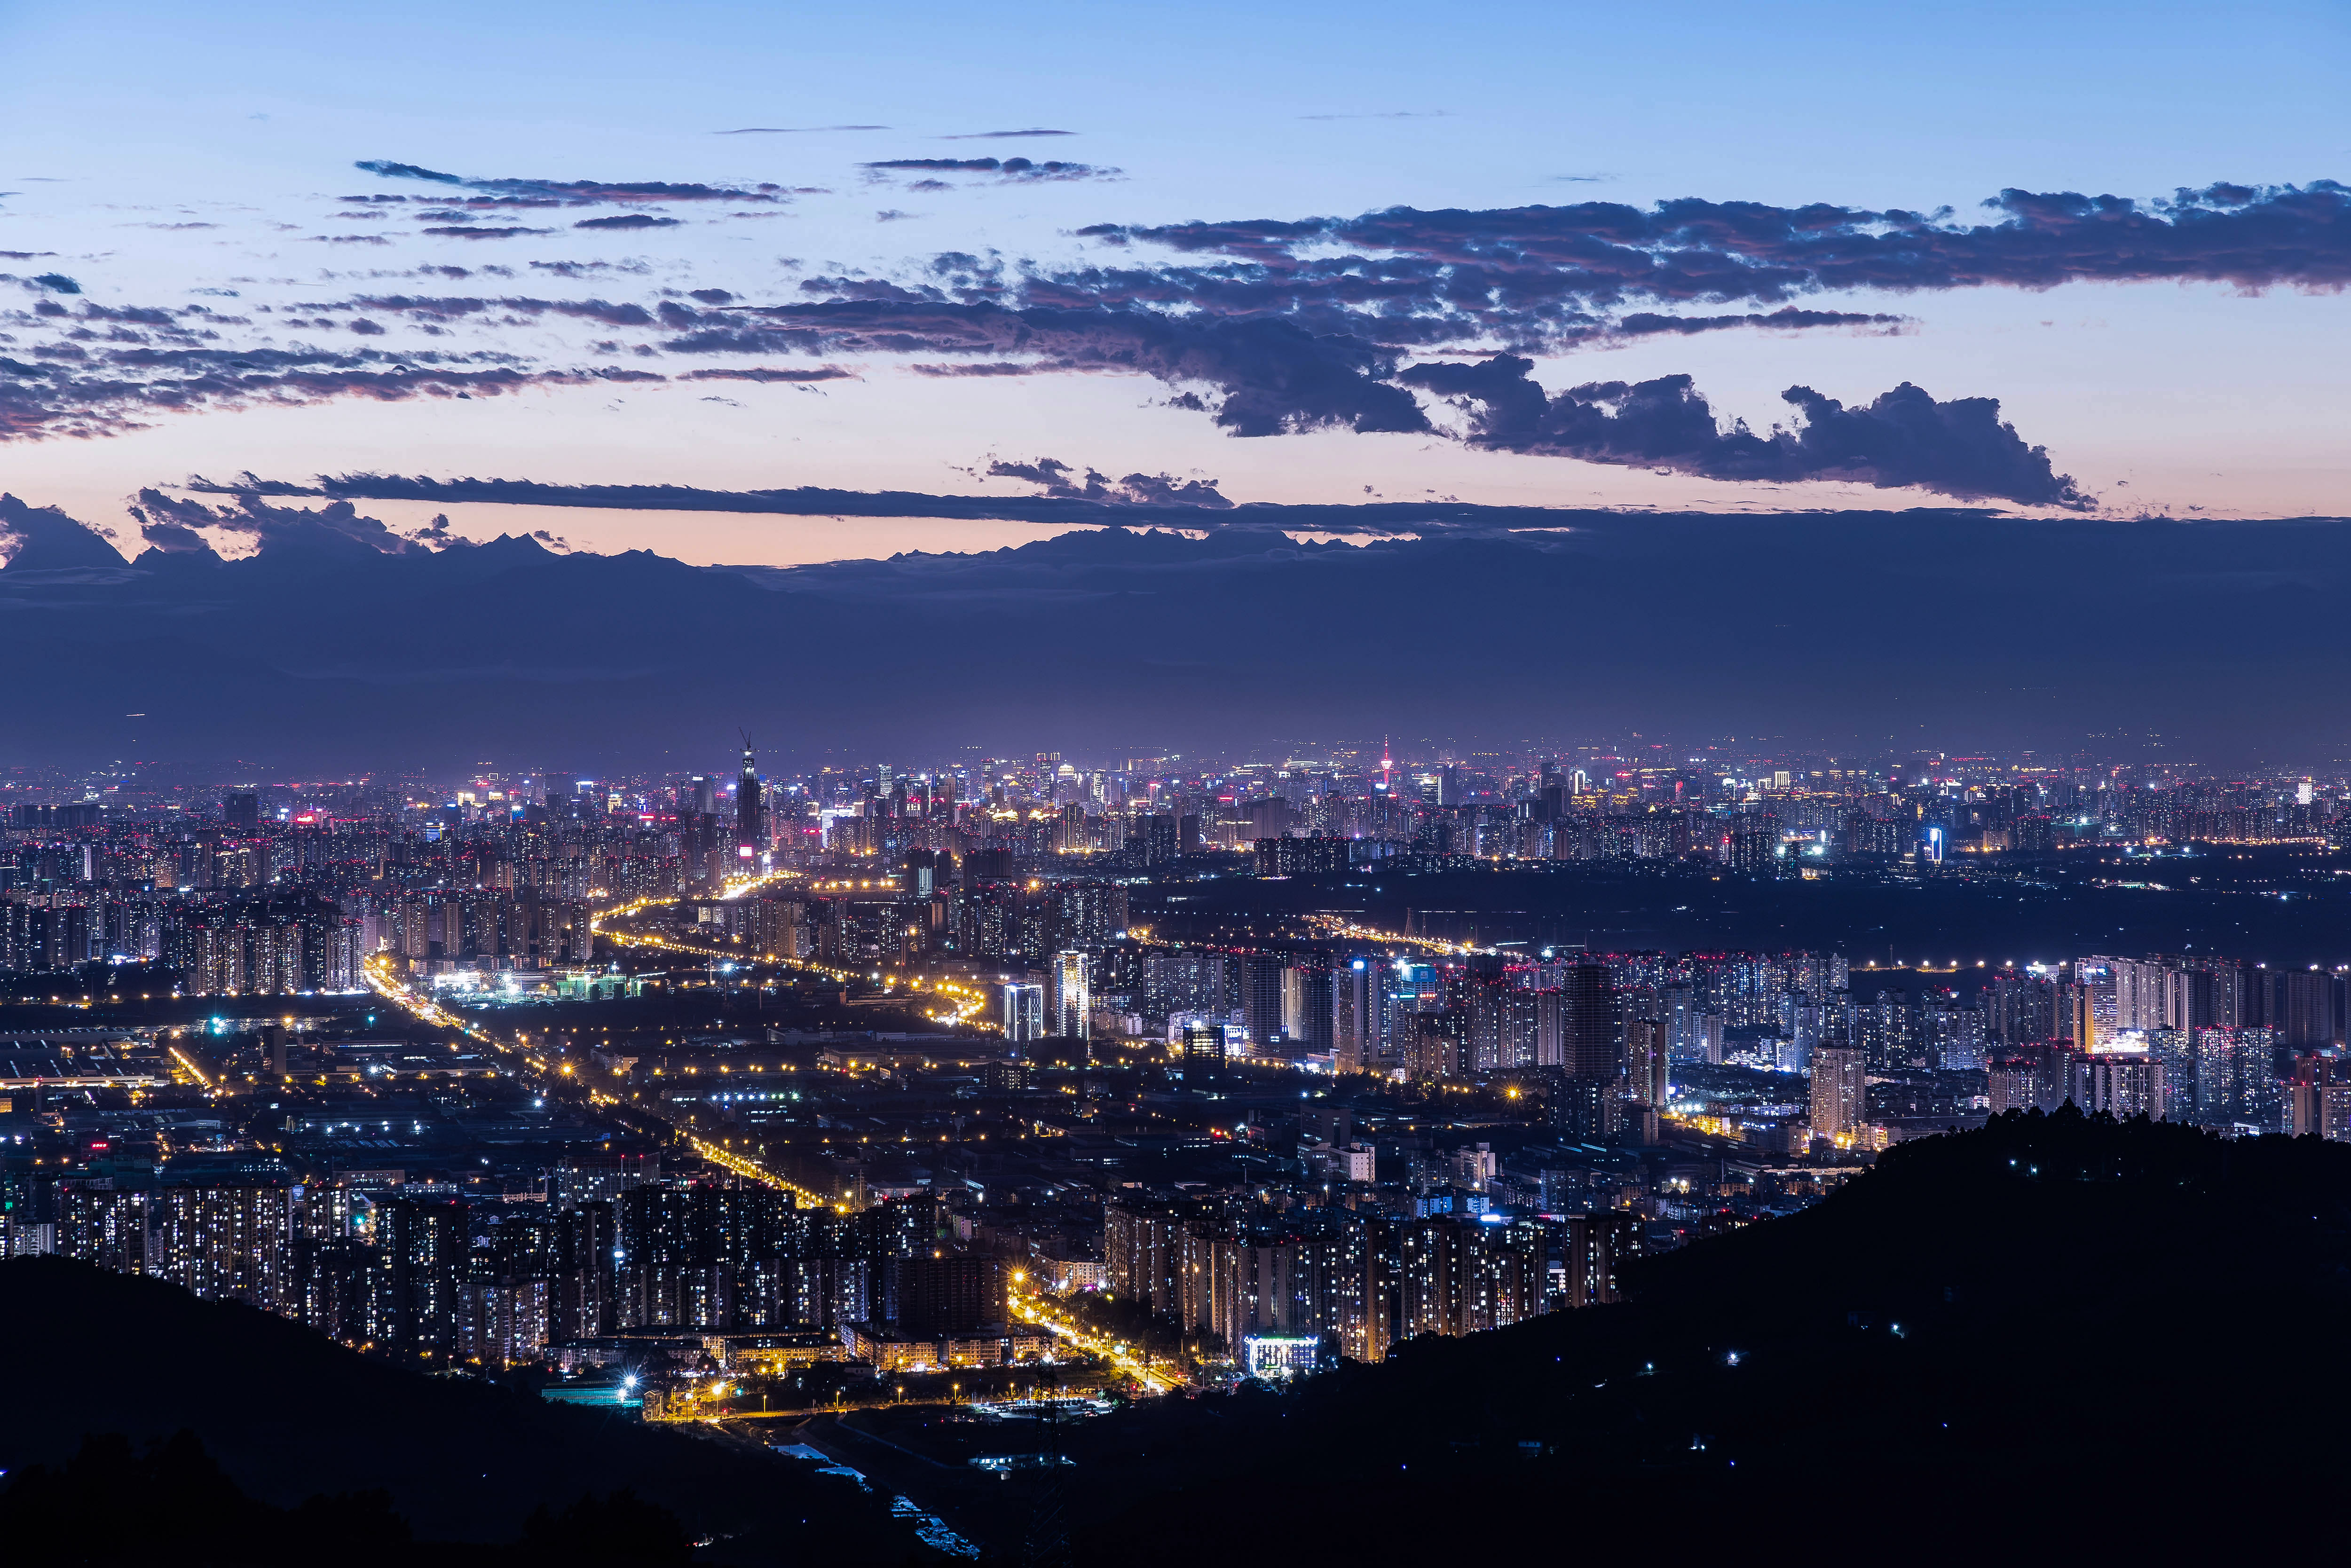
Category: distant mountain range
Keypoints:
(340, 645)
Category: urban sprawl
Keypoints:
(708, 1094)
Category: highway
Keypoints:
(560, 1081)
(1035, 1307)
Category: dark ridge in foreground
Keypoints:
(2056, 1334)
(288, 1416)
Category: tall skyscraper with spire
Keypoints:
(747, 806)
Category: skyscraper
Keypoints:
(1840, 1091)
(1072, 1000)
(750, 816)
(1024, 1012)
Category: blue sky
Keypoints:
(125, 120)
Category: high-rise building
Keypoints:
(1024, 1012)
(950, 1295)
(1072, 998)
(1588, 1045)
(749, 809)
(1597, 1246)
(1840, 1091)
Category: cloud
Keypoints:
(1905, 437)
(793, 130)
(1057, 478)
(43, 539)
(631, 221)
(452, 307)
(336, 530)
(1139, 499)
(457, 232)
(110, 389)
(1542, 276)
(1275, 377)
(1004, 135)
(765, 374)
(987, 368)
(1008, 168)
(1787, 317)
(57, 282)
(392, 171)
(580, 192)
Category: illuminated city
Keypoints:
(767, 1099)
(794, 787)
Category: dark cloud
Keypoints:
(766, 373)
(1073, 499)
(588, 269)
(985, 368)
(629, 221)
(334, 530)
(457, 232)
(1903, 438)
(1008, 168)
(1543, 276)
(174, 538)
(1645, 323)
(1057, 478)
(392, 171)
(1004, 135)
(111, 388)
(579, 191)
(43, 539)
(452, 307)
(57, 282)
(1275, 377)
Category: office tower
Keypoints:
(1072, 1000)
(241, 811)
(1840, 1092)
(749, 815)
(1588, 1037)
(1024, 1012)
